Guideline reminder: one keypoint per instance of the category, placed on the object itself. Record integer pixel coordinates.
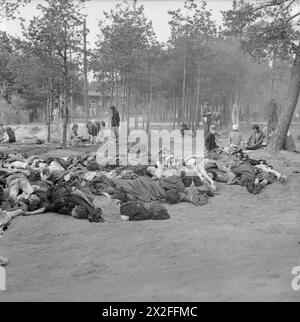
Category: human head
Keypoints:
(113, 108)
(187, 181)
(213, 129)
(172, 197)
(33, 202)
(103, 124)
(254, 188)
(235, 127)
(255, 128)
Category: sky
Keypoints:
(155, 10)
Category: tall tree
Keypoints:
(126, 35)
(272, 33)
(191, 29)
(52, 36)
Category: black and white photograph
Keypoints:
(149, 153)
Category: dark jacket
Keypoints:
(115, 119)
(11, 134)
(256, 139)
(210, 142)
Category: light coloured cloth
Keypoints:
(55, 166)
(236, 138)
(17, 183)
(105, 133)
(110, 208)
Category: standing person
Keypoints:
(207, 118)
(210, 139)
(115, 122)
(9, 136)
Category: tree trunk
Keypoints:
(198, 95)
(85, 67)
(128, 109)
(65, 117)
(3, 90)
(124, 95)
(112, 86)
(149, 109)
(136, 112)
(150, 97)
(49, 112)
(278, 140)
(116, 87)
(174, 107)
(184, 81)
(65, 106)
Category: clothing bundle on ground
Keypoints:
(79, 187)
(238, 168)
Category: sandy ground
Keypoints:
(239, 247)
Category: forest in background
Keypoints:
(247, 60)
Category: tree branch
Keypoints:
(289, 5)
(270, 4)
(293, 17)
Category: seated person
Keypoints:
(256, 139)
(76, 140)
(210, 140)
(9, 136)
(235, 137)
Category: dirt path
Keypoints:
(239, 247)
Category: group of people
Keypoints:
(257, 140)
(97, 130)
(7, 135)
